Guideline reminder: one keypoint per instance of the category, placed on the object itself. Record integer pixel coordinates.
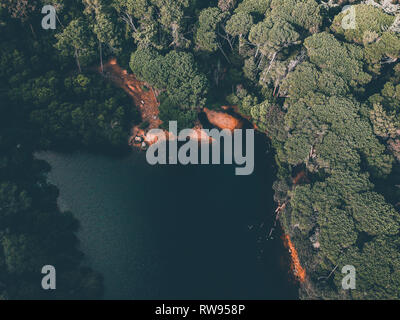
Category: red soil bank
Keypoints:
(223, 120)
(298, 270)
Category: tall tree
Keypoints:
(77, 40)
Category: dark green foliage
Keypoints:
(239, 24)
(345, 145)
(34, 233)
(378, 267)
(82, 109)
(253, 6)
(304, 14)
(328, 98)
(98, 114)
(369, 21)
(271, 35)
(176, 72)
(374, 216)
(243, 99)
(172, 112)
(206, 33)
(77, 41)
(343, 60)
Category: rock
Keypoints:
(223, 120)
(144, 146)
(138, 139)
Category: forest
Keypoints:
(326, 95)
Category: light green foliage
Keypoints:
(301, 81)
(171, 11)
(138, 8)
(250, 69)
(336, 133)
(373, 31)
(186, 86)
(374, 215)
(146, 64)
(272, 35)
(384, 125)
(176, 72)
(333, 152)
(330, 104)
(302, 215)
(155, 23)
(270, 119)
(305, 14)
(206, 34)
(391, 95)
(308, 78)
(106, 33)
(253, 6)
(259, 114)
(345, 184)
(274, 73)
(386, 46)
(369, 21)
(77, 41)
(244, 100)
(297, 148)
(343, 60)
(338, 217)
(377, 269)
(388, 98)
(239, 24)
(337, 232)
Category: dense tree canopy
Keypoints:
(327, 96)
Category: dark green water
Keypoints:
(175, 232)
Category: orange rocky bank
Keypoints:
(297, 269)
(148, 106)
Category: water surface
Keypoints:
(175, 232)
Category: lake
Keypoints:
(173, 231)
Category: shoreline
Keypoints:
(146, 101)
(145, 98)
